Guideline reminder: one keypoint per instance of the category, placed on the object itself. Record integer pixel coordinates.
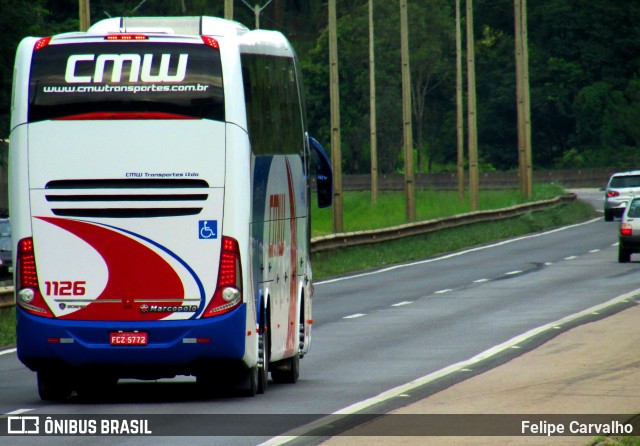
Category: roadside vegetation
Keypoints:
(7, 326)
(360, 258)
(360, 215)
(616, 441)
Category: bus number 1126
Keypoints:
(65, 288)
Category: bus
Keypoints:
(160, 189)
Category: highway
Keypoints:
(383, 329)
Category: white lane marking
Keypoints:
(594, 251)
(354, 316)
(400, 304)
(571, 257)
(443, 291)
(456, 254)
(513, 273)
(17, 412)
(480, 280)
(6, 352)
(453, 368)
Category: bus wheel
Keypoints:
(286, 371)
(95, 386)
(53, 386)
(264, 348)
(250, 385)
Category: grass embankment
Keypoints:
(7, 326)
(360, 215)
(389, 211)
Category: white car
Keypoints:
(622, 187)
(629, 231)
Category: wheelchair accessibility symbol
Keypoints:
(208, 229)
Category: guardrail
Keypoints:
(348, 239)
(6, 297)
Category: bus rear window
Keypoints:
(126, 77)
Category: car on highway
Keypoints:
(6, 256)
(629, 238)
(622, 187)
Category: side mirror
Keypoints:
(324, 174)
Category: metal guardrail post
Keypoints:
(348, 239)
(7, 299)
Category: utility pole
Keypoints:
(527, 100)
(372, 109)
(228, 9)
(84, 13)
(334, 99)
(257, 10)
(409, 184)
(459, 112)
(474, 179)
(523, 100)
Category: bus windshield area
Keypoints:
(126, 79)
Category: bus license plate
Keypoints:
(129, 338)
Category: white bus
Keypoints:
(160, 203)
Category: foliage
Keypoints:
(584, 73)
(431, 43)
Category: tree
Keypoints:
(18, 19)
(432, 64)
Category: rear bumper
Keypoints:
(631, 243)
(171, 350)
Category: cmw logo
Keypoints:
(140, 68)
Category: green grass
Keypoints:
(360, 258)
(615, 441)
(359, 214)
(7, 326)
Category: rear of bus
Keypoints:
(130, 262)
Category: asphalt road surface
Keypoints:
(432, 322)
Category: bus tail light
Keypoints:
(210, 41)
(28, 295)
(626, 229)
(126, 37)
(228, 293)
(41, 43)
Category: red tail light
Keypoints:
(126, 37)
(228, 293)
(28, 295)
(613, 193)
(210, 41)
(41, 43)
(626, 229)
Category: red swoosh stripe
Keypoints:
(135, 272)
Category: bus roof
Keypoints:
(210, 26)
(251, 42)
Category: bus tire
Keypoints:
(249, 387)
(286, 371)
(95, 386)
(53, 386)
(263, 370)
